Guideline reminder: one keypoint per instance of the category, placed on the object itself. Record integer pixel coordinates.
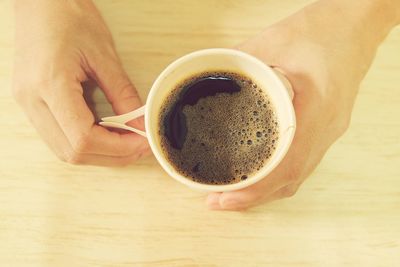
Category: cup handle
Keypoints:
(120, 121)
(282, 76)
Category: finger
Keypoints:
(247, 197)
(54, 137)
(47, 128)
(114, 81)
(66, 103)
(291, 170)
(287, 172)
(215, 202)
(104, 161)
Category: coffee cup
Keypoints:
(268, 78)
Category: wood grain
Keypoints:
(54, 214)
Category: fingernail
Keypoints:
(213, 201)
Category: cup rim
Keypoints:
(228, 187)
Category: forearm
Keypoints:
(384, 14)
(366, 21)
(350, 31)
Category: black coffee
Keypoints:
(218, 127)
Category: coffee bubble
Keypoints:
(222, 137)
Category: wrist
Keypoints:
(369, 20)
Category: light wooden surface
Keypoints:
(54, 214)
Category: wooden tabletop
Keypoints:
(55, 214)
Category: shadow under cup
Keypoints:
(227, 60)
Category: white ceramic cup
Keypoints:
(216, 59)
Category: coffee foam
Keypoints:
(229, 137)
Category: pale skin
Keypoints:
(59, 45)
(325, 57)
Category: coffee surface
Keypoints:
(218, 127)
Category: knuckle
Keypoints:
(82, 143)
(25, 91)
(50, 91)
(60, 156)
(19, 93)
(73, 158)
(288, 191)
(126, 91)
(340, 125)
(344, 125)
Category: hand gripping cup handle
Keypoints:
(121, 121)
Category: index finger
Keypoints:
(68, 106)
